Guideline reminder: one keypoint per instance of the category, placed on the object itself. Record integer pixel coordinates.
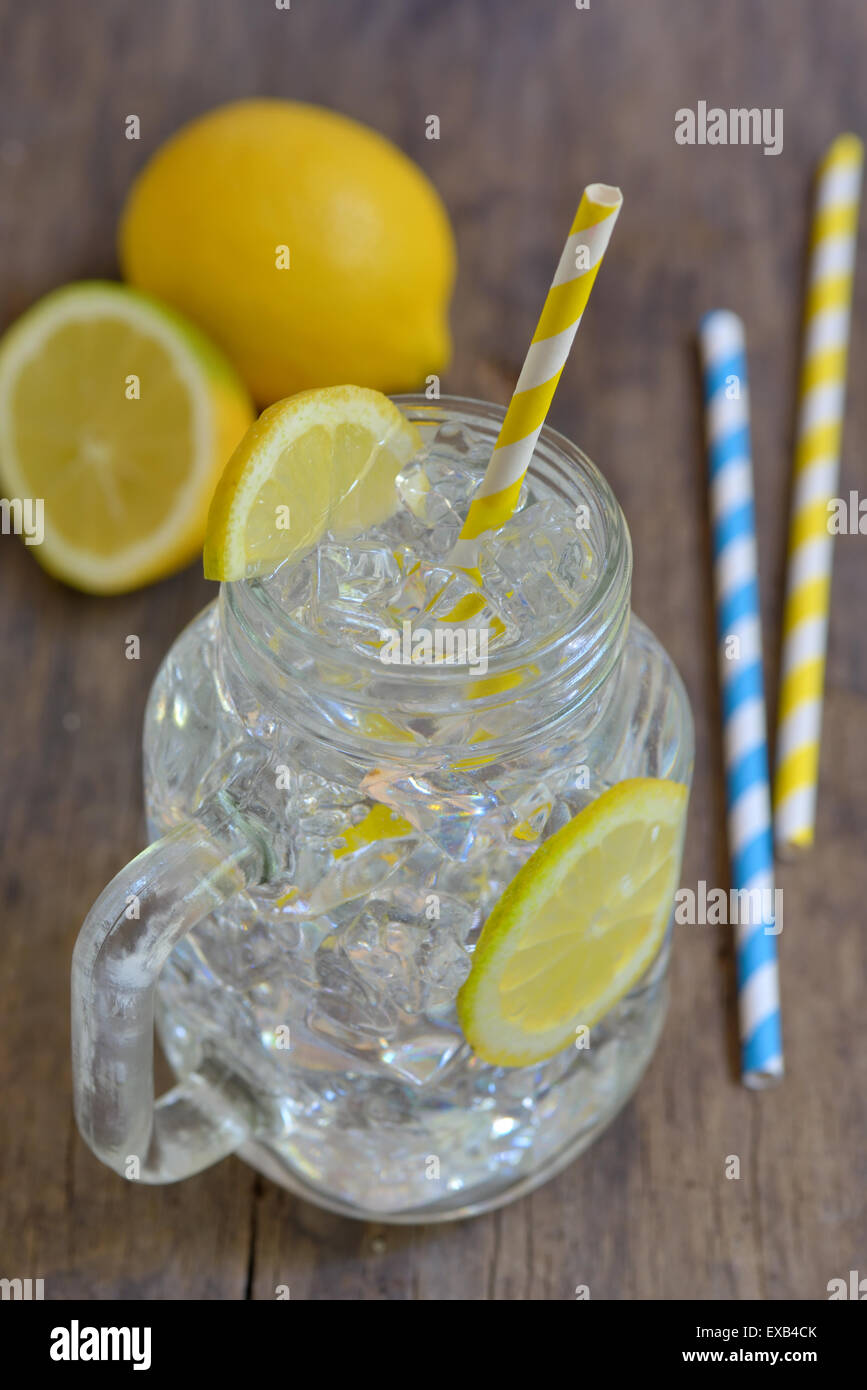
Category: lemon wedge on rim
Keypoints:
(323, 460)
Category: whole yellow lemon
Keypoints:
(310, 248)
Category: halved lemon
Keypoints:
(577, 926)
(118, 416)
(324, 460)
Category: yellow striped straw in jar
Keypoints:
(564, 306)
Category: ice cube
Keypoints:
(536, 568)
(362, 572)
(447, 806)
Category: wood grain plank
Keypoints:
(534, 101)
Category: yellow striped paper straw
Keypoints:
(821, 397)
(564, 306)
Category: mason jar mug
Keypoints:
(330, 834)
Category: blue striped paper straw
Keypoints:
(739, 646)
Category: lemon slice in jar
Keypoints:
(578, 925)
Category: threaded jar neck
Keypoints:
(278, 669)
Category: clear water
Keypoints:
(331, 993)
(535, 572)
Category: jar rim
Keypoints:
(561, 467)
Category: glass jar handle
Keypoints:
(126, 939)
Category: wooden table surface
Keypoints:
(535, 98)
